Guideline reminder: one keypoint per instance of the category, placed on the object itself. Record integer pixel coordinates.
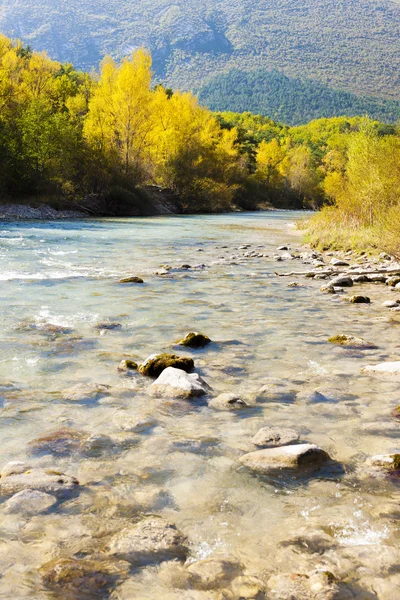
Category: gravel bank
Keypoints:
(13, 212)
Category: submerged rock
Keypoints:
(23, 478)
(30, 502)
(155, 364)
(317, 585)
(277, 390)
(273, 437)
(285, 457)
(151, 541)
(108, 326)
(60, 443)
(228, 401)
(85, 578)
(213, 573)
(131, 280)
(351, 341)
(175, 383)
(194, 340)
(86, 392)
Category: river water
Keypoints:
(184, 465)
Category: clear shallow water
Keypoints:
(186, 467)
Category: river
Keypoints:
(184, 464)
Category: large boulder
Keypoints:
(16, 477)
(155, 364)
(194, 340)
(175, 383)
(301, 456)
(274, 437)
(151, 541)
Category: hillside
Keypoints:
(291, 101)
(352, 45)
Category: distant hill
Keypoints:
(291, 101)
(346, 44)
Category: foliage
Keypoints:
(293, 101)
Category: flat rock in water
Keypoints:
(390, 304)
(273, 437)
(47, 481)
(29, 502)
(91, 578)
(108, 326)
(285, 457)
(86, 392)
(228, 401)
(151, 541)
(351, 341)
(389, 369)
(61, 442)
(390, 462)
(155, 364)
(175, 383)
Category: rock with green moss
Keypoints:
(388, 462)
(127, 366)
(131, 280)
(360, 300)
(351, 341)
(194, 339)
(155, 364)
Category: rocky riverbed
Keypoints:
(197, 408)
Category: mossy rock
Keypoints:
(392, 281)
(360, 300)
(156, 363)
(131, 280)
(127, 365)
(342, 340)
(194, 339)
(350, 341)
(396, 461)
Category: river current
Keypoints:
(184, 463)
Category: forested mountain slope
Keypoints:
(348, 44)
(289, 100)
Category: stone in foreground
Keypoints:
(22, 477)
(360, 300)
(194, 340)
(274, 437)
(341, 281)
(151, 541)
(302, 456)
(90, 578)
(175, 383)
(155, 364)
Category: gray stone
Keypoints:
(227, 401)
(48, 481)
(153, 540)
(213, 573)
(342, 281)
(337, 262)
(86, 392)
(285, 457)
(273, 437)
(175, 383)
(29, 502)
